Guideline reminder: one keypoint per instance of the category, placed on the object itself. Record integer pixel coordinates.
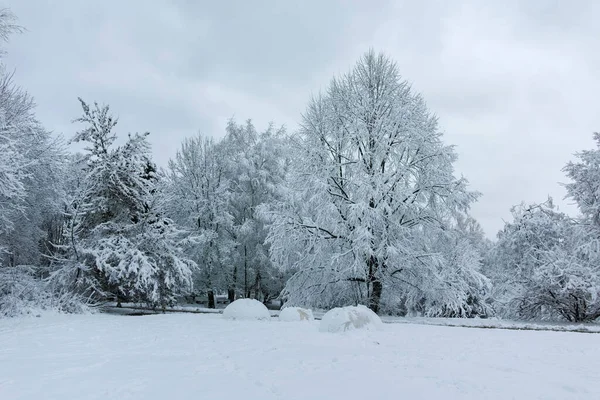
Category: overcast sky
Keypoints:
(515, 84)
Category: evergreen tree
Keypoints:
(118, 241)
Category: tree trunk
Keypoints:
(246, 292)
(376, 285)
(257, 285)
(231, 291)
(211, 299)
(376, 296)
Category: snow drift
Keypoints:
(292, 314)
(246, 309)
(350, 318)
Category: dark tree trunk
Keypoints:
(246, 291)
(375, 296)
(376, 285)
(257, 285)
(231, 291)
(211, 299)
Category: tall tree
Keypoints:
(199, 187)
(218, 189)
(370, 174)
(36, 160)
(12, 162)
(31, 163)
(118, 241)
(256, 167)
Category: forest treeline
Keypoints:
(360, 205)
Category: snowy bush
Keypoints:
(567, 284)
(292, 314)
(350, 318)
(546, 266)
(22, 293)
(246, 309)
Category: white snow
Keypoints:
(195, 356)
(292, 314)
(350, 318)
(496, 323)
(246, 309)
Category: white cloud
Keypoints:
(514, 83)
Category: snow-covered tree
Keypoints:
(543, 267)
(199, 187)
(31, 162)
(217, 190)
(37, 161)
(517, 253)
(118, 241)
(370, 178)
(585, 185)
(12, 175)
(8, 26)
(567, 284)
(581, 281)
(455, 287)
(15, 118)
(31, 171)
(256, 167)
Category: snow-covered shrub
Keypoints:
(545, 266)
(247, 309)
(22, 293)
(350, 318)
(518, 254)
(292, 314)
(567, 283)
(454, 287)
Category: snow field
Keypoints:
(190, 356)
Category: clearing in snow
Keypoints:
(191, 356)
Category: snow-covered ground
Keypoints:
(495, 323)
(456, 322)
(196, 356)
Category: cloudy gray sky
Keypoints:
(515, 84)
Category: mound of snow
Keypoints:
(350, 318)
(246, 309)
(292, 314)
